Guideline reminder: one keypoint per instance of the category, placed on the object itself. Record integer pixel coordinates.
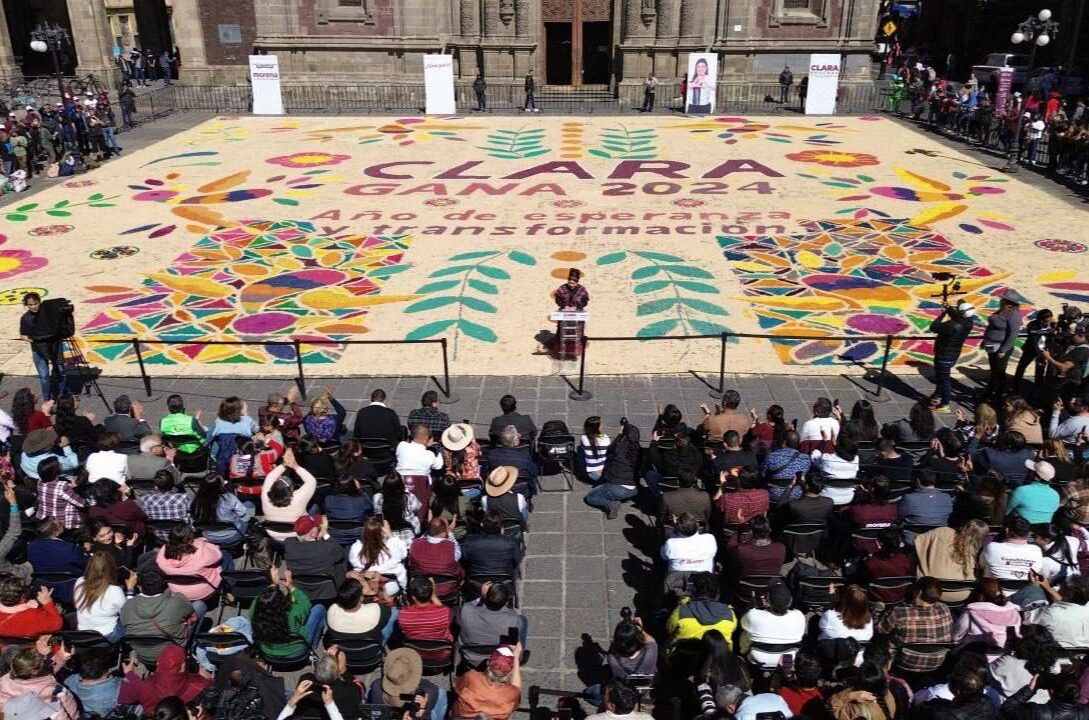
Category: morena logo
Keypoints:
(824, 68)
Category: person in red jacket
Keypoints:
(114, 507)
(23, 618)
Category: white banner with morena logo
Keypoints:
(823, 84)
(439, 85)
(265, 85)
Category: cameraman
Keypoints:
(998, 341)
(952, 328)
(45, 346)
(1071, 366)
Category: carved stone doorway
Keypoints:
(577, 39)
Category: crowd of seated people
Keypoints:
(831, 568)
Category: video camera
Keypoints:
(950, 286)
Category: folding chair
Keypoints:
(891, 584)
(319, 587)
(447, 589)
(380, 452)
(217, 643)
(362, 655)
(819, 593)
(428, 650)
(482, 650)
(245, 587)
(149, 646)
(749, 587)
(302, 658)
(803, 538)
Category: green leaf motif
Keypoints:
(660, 257)
(285, 201)
(472, 255)
(515, 144)
(483, 286)
(688, 271)
(452, 270)
(621, 142)
(599, 153)
(58, 213)
(96, 196)
(645, 272)
(703, 327)
(437, 286)
(28, 206)
(693, 286)
(654, 307)
(522, 258)
(60, 203)
(381, 272)
(493, 272)
(702, 306)
(610, 258)
(15, 217)
(429, 330)
(477, 304)
(477, 332)
(651, 286)
(431, 303)
(658, 329)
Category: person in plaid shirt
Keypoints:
(285, 411)
(923, 619)
(429, 415)
(165, 502)
(56, 497)
(746, 502)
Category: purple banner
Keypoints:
(1002, 93)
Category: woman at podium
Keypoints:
(571, 297)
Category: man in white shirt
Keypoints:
(689, 550)
(777, 625)
(822, 426)
(414, 457)
(107, 463)
(1015, 558)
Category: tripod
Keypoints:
(73, 358)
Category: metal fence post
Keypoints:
(878, 395)
(140, 361)
(450, 397)
(301, 379)
(717, 394)
(582, 393)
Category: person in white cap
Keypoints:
(952, 328)
(1036, 500)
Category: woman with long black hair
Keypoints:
(216, 501)
(399, 507)
(284, 621)
(867, 696)
(378, 550)
(593, 446)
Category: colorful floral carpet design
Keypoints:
(854, 277)
(302, 234)
(260, 280)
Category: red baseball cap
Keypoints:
(501, 660)
(306, 523)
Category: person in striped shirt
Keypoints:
(594, 445)
(426, 618)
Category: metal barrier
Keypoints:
(297, 344)
(581, 393)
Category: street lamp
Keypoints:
(1038, 30)
(52, 39)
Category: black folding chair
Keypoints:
(148, 646)
(380, 453)
(437, 655)
(447, 589)
(751, 586)
(803, 538)
(956, 586)
(480, 650)
(300, 659)
(319, 587)
(85, 640)
(245, 587)
(362, 654)
(217, 644)
(818, 593)
(891, 585)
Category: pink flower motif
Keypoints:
(155, 196)
(688, 202)
(567, 203)
(440, 202)
(17, 262)
(308, 159)
(79, 183)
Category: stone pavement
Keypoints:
(580, 568)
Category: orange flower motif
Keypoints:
(834, 158)
(308, 159)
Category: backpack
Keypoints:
(121, 712)
(226, 446)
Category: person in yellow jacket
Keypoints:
(701, 612)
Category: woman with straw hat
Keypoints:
(500, 496)
(461, 458)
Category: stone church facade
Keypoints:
(576, 43)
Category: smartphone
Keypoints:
(511, 638)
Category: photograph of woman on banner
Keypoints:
(702, 72)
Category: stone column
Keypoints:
(696, 23)
(8, 68)
(189, 35)
(668, 18)
(93, 39)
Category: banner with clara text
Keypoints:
(702, 76)
(439, 84)
(823, 76)
(265, 85)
